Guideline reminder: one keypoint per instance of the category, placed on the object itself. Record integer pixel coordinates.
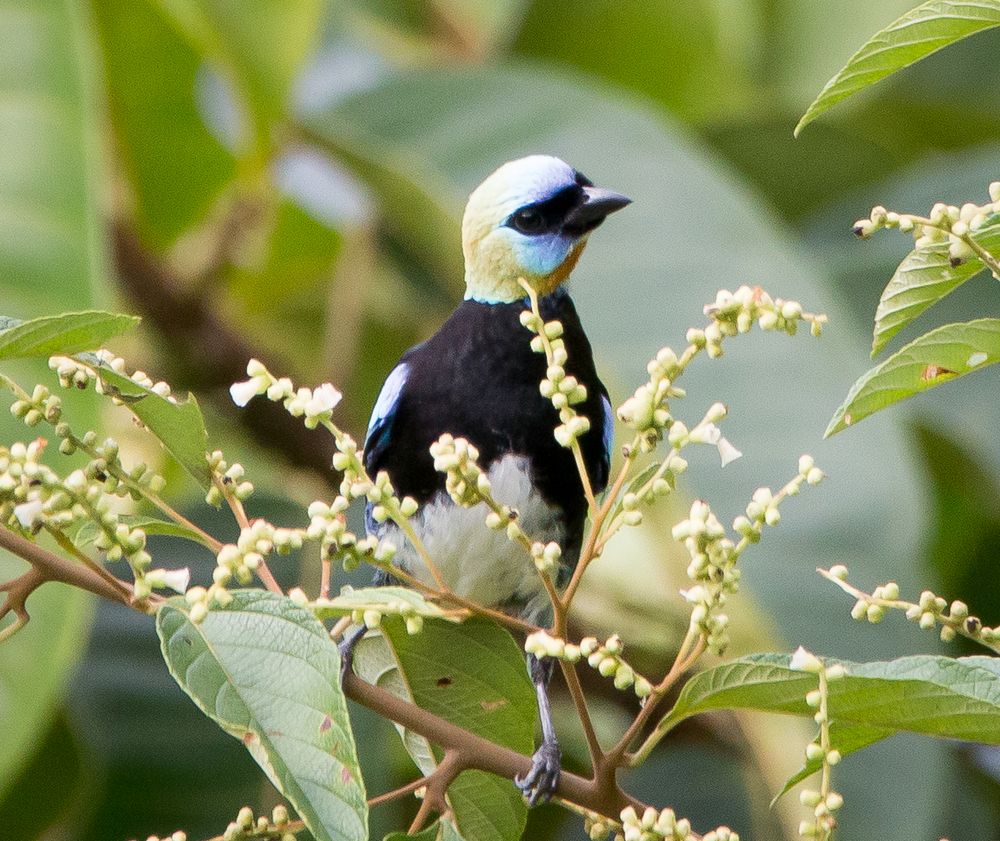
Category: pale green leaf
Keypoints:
(473, 675)
(268, 673)
(178, 424)
(924, 277)
(400, 600)
(928, 694)
(63, 334)
(920, 32)
(936, 357)
(88, 532)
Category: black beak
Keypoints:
(596, 205)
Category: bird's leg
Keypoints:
(353, 636)
(540, 783)
(347, 646)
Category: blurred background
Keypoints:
(285, 179)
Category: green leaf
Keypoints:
(178, 424)
(936, 357)
(847, 738)
(64, 334)
(51, 250)
(88, 532)
(473, 675)
(177, 169)
(925, 30)
(924, 277)
(376, 598)
(267, 672)
(932, 695)
(443, 830)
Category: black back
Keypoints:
(477, 378)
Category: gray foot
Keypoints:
(540, 783)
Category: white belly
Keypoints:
(479, 563)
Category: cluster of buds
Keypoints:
(946, 224)
(736, 312)
(929, 611)
(647, 411)
(369, 614)
(314, 405)
(33, 496)
(355, 482)
(73, 372)
(174, 836)
(763, 507)
(41, 405)
(468, 485)
(105, 466)
(605, 657)
(247, 827)
(664, 825)
(328, 525)
(231, 481)
(384, 501)
(823, 802)
(458, 460)
(546, 556)
(562, 388)
(713, 569)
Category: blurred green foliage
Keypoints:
(298, 168)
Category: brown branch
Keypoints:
(54, 568)
(18, 591)
(601, 795)
(437, 787)
(396, 793)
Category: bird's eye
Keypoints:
(528, 221)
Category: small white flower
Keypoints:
(243, 392)
(805, 661)
(27, 512)
(727, 452)
(324, 400)
(176, 579)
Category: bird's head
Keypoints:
(531, 218)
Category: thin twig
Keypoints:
(396, 793)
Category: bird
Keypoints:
(478, 378)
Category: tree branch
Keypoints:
(603, 796)
(54, 568)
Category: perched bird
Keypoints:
(478, 378)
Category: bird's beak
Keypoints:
(596, 205)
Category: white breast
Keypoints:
(477, 562)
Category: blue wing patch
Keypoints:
(380, 424)
(609, 433)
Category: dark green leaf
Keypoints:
(443, 830)
(60, 335)
(178, 424)
(925, 30)
(924, 277)
(936, 357)
(267, 672)
(927, 694)
(473, 675)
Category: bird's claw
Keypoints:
(540, 783)
(346, 647)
